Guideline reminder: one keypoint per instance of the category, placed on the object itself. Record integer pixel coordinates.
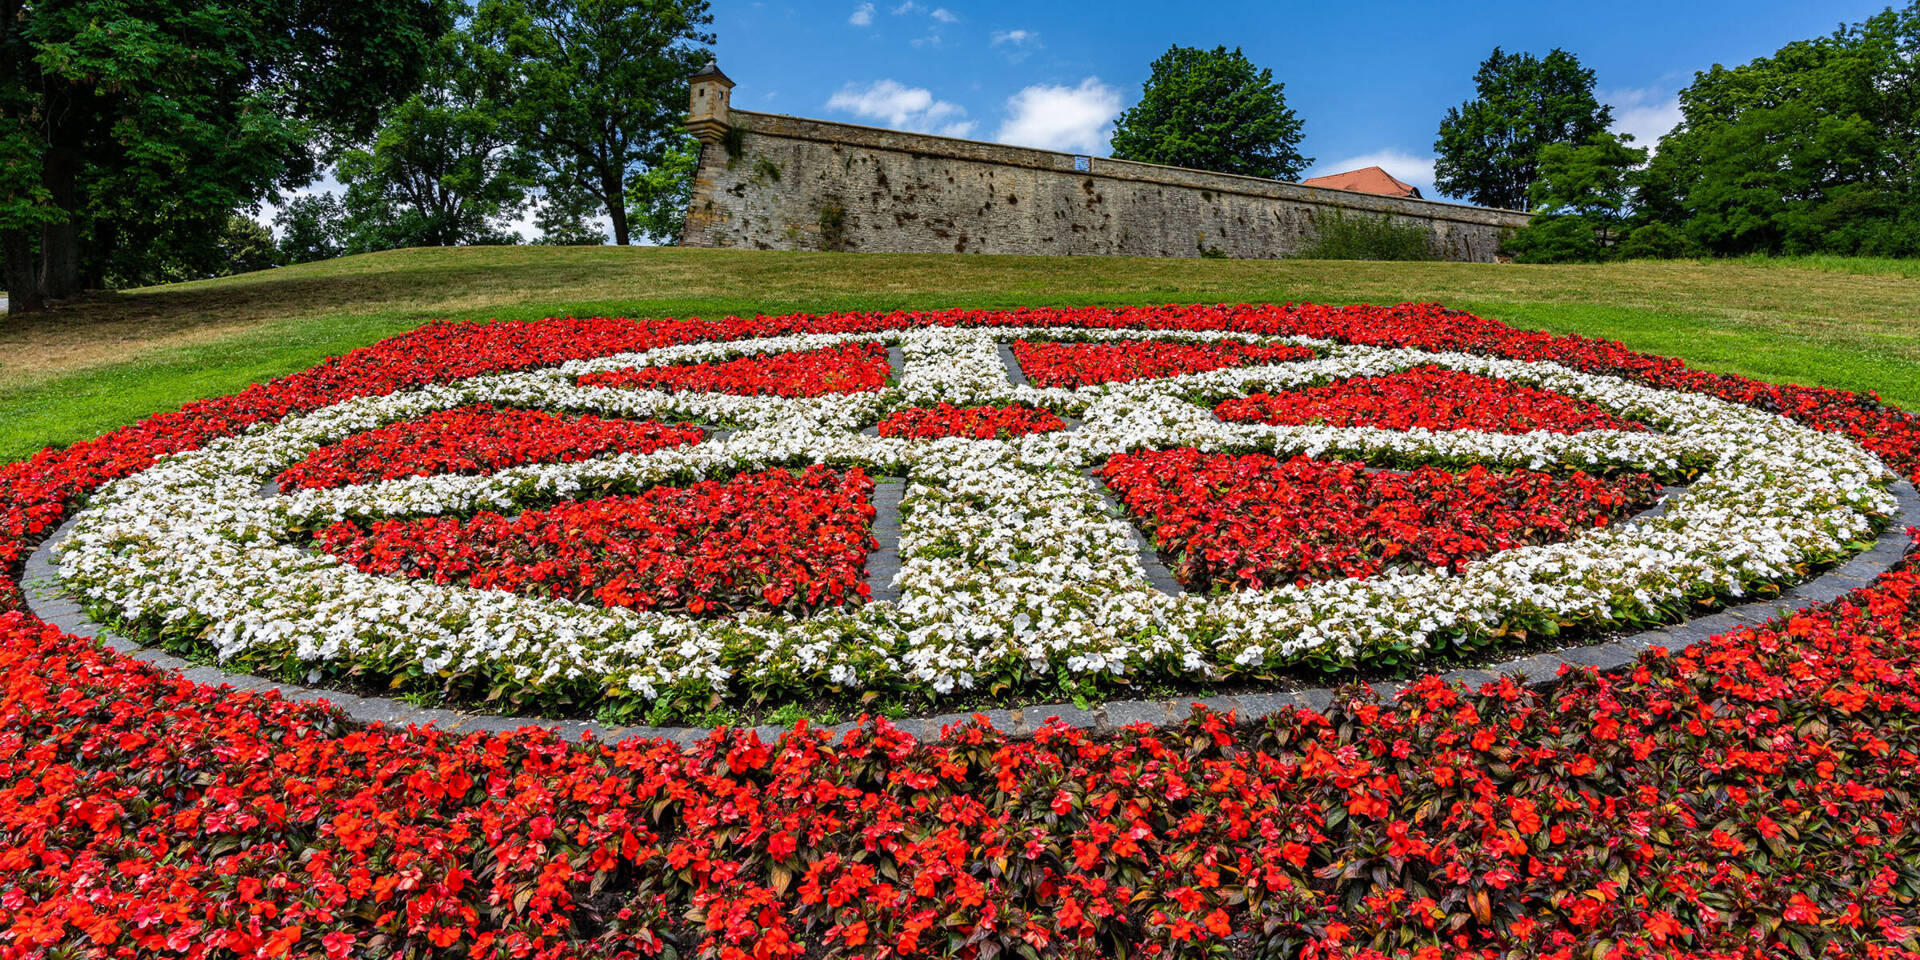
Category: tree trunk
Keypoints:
(59, 260)
(23, 275)
(60, 242)
(616, 196)
(106, 236)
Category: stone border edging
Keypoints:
(64, 612)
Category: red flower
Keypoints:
(1237, 522)
(777, 539)
(1426, 398)
(477, 440)
(978, 423)
(848, 368)
(1072, 365)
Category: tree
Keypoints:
(1212, 110)
(1815, 148)
(443, 170)
(246, 245)
(312, 227)
(122, 125)
(1489, 147)
(596, 89)
(1580, 200)
(565, 219)
(660, 194)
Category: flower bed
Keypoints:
(777, 540)
(1747, 797)
(1744, 798)
(1071, 365)
(1425, 398)
(1013, 574)
(1237, 522)
(476, 440)
(975, 423)
(848, 368)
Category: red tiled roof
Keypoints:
(1365, 180)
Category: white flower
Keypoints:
(1010, 556)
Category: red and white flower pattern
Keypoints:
(476, 440)
(776, 540)
(1747, 797)
(1010, 557)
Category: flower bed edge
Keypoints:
(40, 576)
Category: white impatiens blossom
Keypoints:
(1011, 556)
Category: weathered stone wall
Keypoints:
(785, 183)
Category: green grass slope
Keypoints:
(111, 359)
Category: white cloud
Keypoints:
(906, 8)
(1016, 38)
(1645, 112)
(896, 105)
(1415, 169)
(862, 15)
(944, 15)
(1052, 117)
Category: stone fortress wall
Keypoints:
(772, 182)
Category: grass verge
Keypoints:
(108, 360)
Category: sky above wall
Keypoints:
(1371, 80)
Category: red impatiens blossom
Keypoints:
(1258, 521)
(1428, 398)
(847, 368)
(144, 815)
(777, 539)
(476, 440)
(1050, 364)
(978, 423)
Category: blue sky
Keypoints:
(1371, 80)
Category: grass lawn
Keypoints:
(108, 360)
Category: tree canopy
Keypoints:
(444, 169)
(1814, 149)
(1580, 201)
(595, 90)
(1212, 110)
(1489, 147)
(131, 129)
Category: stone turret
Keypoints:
(707, 117)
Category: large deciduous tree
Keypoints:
(1581, 200)
(1212, 110)
(126, 124)
(596, 89)
(445, 168)
(1489, 147)
(1815, 149)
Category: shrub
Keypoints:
(1656, 241)
(1338, 236)
(1551, 239)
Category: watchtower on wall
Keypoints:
(707, 104)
